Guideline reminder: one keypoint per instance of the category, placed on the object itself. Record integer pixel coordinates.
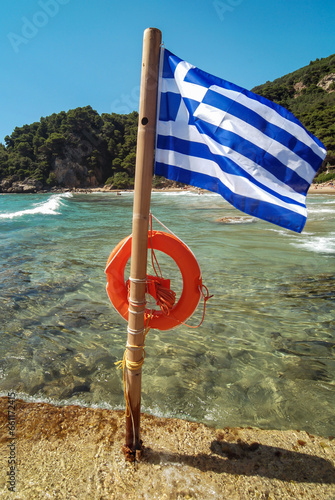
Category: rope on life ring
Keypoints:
(171, 314)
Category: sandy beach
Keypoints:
(74, 452)
(326, 188)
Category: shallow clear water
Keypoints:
(264, 355)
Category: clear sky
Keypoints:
(57, 55)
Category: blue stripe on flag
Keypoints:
(170, 64)
(266, 211)
(197, 150)
(257, 155)
(195, 75)
(273, 131)
(218, 136)
(169, 106)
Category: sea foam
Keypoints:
(318, 244)
(48, 207)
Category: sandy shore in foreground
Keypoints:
(73, 452)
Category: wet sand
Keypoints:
(75, 453)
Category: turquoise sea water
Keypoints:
(264, 355)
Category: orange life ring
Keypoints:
(169, 244)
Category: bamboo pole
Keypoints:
(141, 209)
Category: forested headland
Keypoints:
(80, 148)
(309, 93)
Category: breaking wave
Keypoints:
(318, 244)
(49, 207)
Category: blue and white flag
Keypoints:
(215, 135)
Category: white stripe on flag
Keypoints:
(236, 183)
(226, 121)
(177, 129)
(271, 116)
(213, 134)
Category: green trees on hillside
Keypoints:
(304, 93)
(100, 149)
(102, 145)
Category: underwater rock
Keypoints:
(236, 220)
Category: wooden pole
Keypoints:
(141, 209)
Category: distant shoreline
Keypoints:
(321, 189)
(314, 189)
(327, 188)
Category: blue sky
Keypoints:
(61, 54)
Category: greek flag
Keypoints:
(215, 135)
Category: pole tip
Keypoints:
(153, 31)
